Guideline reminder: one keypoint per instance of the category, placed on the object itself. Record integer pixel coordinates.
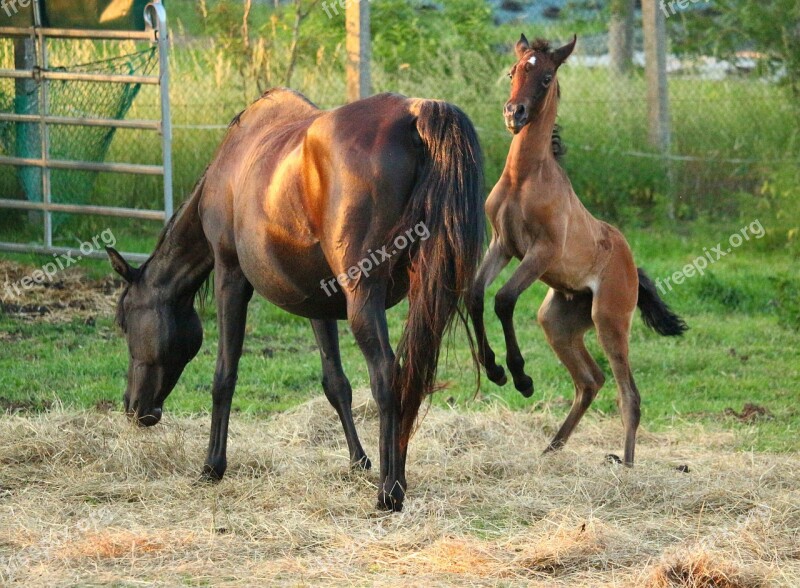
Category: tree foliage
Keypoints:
(727, 26)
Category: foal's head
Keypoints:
(164, 333)
(532, 78)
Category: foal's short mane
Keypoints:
(559, 149)
(542, 45)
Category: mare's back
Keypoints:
(269, 127)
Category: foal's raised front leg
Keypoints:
(530, 269)
(232, 292)
(493, 263)
(367, 315)
(337, 387)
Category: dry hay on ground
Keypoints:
(87, 499)
(69, 295)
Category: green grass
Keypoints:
(737, 351)
(744, 307)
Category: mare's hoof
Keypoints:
(361, 464)
(497, 375)
(613, 459)
(388, 502)
(392, 499)
(552, 447)
(525, 386)
(210, 475)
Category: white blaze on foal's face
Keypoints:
(532, 60)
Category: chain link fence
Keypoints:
(731, 128)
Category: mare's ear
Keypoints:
(122, 267)
(522, 47)
(560, 55)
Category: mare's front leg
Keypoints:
(493, 263)
(530, 269)
(232, 292)
(337, 387)
(367, 315)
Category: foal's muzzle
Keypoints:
(516, 116)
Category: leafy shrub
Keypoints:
(787, 302)
(780, 199)
(412, 33)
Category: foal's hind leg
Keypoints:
(612, 312)
(337, 387)
(493, 263)
(565, 322)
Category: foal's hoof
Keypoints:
(361, 464)
(525, 386)
(497, 375)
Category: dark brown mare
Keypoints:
(294, 197)
(537, 218)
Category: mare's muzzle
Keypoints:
(140, 415)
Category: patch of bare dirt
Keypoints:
(68, 296)
(750, 413)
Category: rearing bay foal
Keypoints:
(537, 218)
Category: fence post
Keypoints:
(655, 71)
(358, 49)
(28, 137)
(620, 35)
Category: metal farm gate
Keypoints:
(33, 68)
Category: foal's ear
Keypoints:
(560, 55)
(522, 47)
(122, 267)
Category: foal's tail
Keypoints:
(655, 312)
(448, 199)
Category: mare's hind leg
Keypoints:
(367, 315)
(565, 321)
(232, 292)
(337, 387)
(612, 311)
(529, 270)
(493, 263)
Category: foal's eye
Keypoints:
(547, 79)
